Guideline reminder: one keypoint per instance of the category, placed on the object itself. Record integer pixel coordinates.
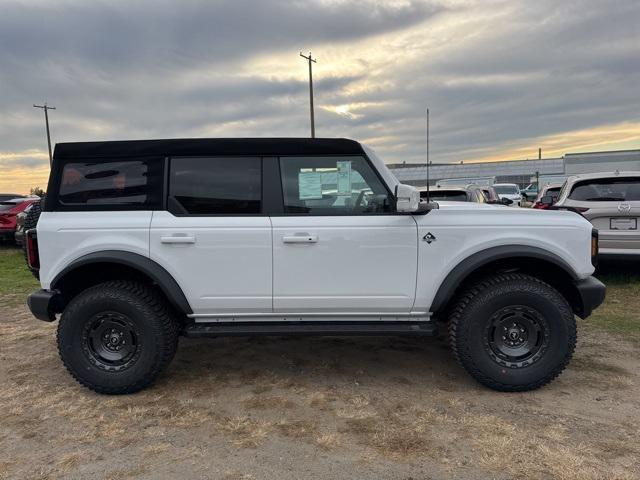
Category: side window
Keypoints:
(332, 186)
(134, 183)
(215, 186)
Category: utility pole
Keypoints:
(313, 123)
(428, 179)
(46, 108)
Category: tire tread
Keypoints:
(456, 317)
(145, 296)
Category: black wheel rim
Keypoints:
(516, 336)
(111, 341)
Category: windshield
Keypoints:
(7, 205)
(446, 195)
(607, 190)
(506, 189)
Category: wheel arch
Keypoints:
(106, 265)
(540, 263)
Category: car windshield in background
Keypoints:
(7, 205)
(607, 190)
(446, 195)
(506, 189)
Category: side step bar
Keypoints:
(309, 328)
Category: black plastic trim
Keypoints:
(309, 328)
(43, 304)
(209, 147)
(592, 293)
(158, 274)
(484, 257)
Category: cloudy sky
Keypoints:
(501, 77)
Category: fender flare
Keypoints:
(145, 265)
(484, 257)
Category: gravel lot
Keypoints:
(292, 408)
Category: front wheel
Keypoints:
(512, 332)
(117, 337)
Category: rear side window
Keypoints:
(607, 190)
(112, 184)
(215, 186)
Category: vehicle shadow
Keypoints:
(619, 270)
(318, 362)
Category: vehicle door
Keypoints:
(339, 246)
(214, 238)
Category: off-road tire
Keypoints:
(472, 331)
(151, 324)
(31, 221)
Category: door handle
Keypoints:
(177, 239)
(300, 238)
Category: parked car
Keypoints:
(467, 193)
(611, 202)
(140, 242)
(530, 192)
(548, 196)
(9, 209)
(510, 191)
(19, 233)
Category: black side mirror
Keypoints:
(547, 200)
(506, 201)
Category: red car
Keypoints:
(8, 211)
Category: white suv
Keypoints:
(510, 191)
(142, 241)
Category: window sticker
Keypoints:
(344, 177)
(309, 185)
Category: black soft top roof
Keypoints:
(209, 146)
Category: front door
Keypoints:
(340, 247)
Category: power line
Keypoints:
(313, 123)
(46, 109)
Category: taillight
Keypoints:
(594, 247)
(581, 209)
(33, 259)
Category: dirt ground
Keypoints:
(293, 408)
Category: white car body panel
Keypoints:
(463, 229)
(64, 237)
(228, 268)
(356, 264)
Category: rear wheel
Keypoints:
(512, 332)
(117, 337)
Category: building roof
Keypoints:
(209, 146)
(548, 166)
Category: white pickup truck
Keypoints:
(140, 242)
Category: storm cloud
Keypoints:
(498, 76)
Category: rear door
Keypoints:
(214, 239)
(339, 246)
